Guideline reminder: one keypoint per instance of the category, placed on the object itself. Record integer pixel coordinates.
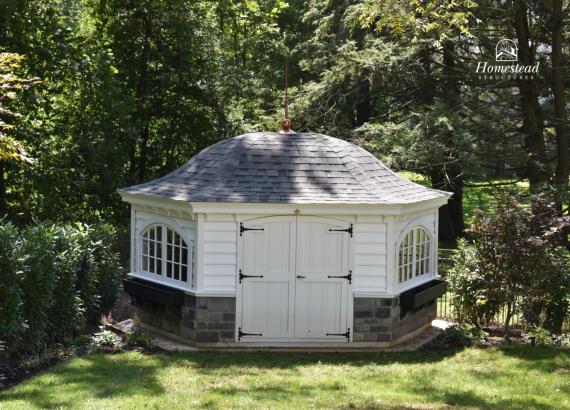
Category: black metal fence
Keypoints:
(445, 305)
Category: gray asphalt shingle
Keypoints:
(270, 167)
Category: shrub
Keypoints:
(137, 339)
(107, 341)
(474, 302)
(513, 260)
(40, 280)
(54, 282)
(105, 267)
(12, 323)
(66, 312)
(86, 279)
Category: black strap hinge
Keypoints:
(345, 334)
(349, 230)
(242, 334)
(242, 229)
(242, 276)
(347, 277)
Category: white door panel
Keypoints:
(298, 297)
(267, 301)
(320, 298)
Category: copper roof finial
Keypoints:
(286, 124)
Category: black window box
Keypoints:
(423, 294)
(144, 289)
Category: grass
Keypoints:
(508, 378)
(478, 195)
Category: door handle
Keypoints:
(301, 277)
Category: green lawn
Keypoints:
(510, 378)
(478, 195)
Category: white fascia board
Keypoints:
(316, 209)
(285, 208)
(156, 202)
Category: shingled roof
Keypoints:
(269, 167)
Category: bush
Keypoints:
(141, 340)
(55, 282)
(105, 267)
(513, 261)
(40, 280)
(107, 341)
(65, 314)
(474, 301)
(12, 324)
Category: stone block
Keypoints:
(220, 325)
(215, 316)
(202, 315)
(363, 304)
(383, 312)
(370, 337)
(379, 328)
(207, 336)
(229, 317)
(361, 328)
(362, 314)
(227, 336)
(222, 304)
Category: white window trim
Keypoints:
(415, 280)
(162, 279)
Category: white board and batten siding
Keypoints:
(217, 254)
(215, 247)
(370, 256)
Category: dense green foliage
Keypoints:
(129, 90)
(513, 260)
(44, 273)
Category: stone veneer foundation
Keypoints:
(200, 319)
(212, 319)
(381, 320)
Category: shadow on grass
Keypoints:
(281, 378)
(98, 376)
(210, 360)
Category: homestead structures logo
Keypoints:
(506, 51)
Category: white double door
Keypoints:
(294, 282)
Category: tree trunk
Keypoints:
(451, 221)
(363, 106)
(508, 318)
(560, 118)
(3, 202)
(533, 122)
(449, 177)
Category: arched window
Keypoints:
(164, 253)
(414, 255)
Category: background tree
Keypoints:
(12, 151)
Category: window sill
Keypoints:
(161, 281)
(144, 289)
